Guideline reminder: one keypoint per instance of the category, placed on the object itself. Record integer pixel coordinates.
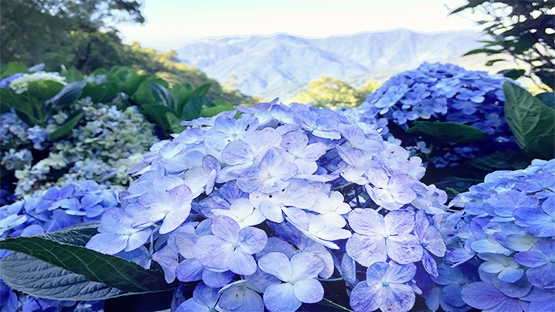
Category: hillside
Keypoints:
(280, 65)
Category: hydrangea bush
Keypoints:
(57, 208)
(443, 93)
(101, 148)
(264, 209)
(506, 235)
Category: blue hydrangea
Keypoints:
(256, 205)
(55, 209)
(441, 93)
(507, 227)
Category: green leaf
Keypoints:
(12, 68)
(531, 121)
(547, 98)
(58, 249)
(162, 96)
(175, 123)
(66, 128)
(69, 94)
(487, 51)
(212, 111)
(100, 93)
(72, 74)
(202, 90)
(40, 279)
(491, 62)
(21, 103)
(158, 113)
(43, 90)
(510, 160)
(448, 131)
(512, 73)
(192, 109)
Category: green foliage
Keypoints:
(532, 122)
(331, 93)
(75, 272)
(448, 131)
(522, 30)
(42, 100)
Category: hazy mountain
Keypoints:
(282, 64)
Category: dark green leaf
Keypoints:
(512, 73)
(491, 62)
(69, 94)
(40, 279)
(202, 90)
(131, 85)
(66, 128)
(109, 270)
(100, 93)
(547, 98)
(162, 96)
(21, 103)
(192, 109)
(157, 113)
(43, 90)
(487, 51)
(448, 131)
(72, 75)
(500, 161)
(12, 68)
(531, 121)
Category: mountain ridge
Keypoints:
(264, 63)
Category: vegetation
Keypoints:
(333, 93)
(522, 29)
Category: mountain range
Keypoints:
(282, 64)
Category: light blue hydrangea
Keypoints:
(259, 206)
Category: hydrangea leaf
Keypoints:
(65, 250)
(531, 122)
(100, 93)
(448, 131)
(547, 98)
(66, 128)
(68, 95)
(34, 277)
(12, 68)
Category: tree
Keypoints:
(65, 32)
(331, 93)
(522, 29)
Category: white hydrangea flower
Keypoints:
(20, 84)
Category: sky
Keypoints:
(171, 23)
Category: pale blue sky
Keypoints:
(170, 23)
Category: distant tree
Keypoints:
(331, 93)
(67, 32)
(523, 29)
(370, 86)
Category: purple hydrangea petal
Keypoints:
(281, 298)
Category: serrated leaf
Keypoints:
(531, 121)
(112, 271)
(40, 279)
(66, 128)
(448, 131)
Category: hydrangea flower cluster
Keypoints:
(53, 210)
(442, 93)
(20, 83)
(507, 231)
(259, 210)
(6, 82)
(102, 148)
